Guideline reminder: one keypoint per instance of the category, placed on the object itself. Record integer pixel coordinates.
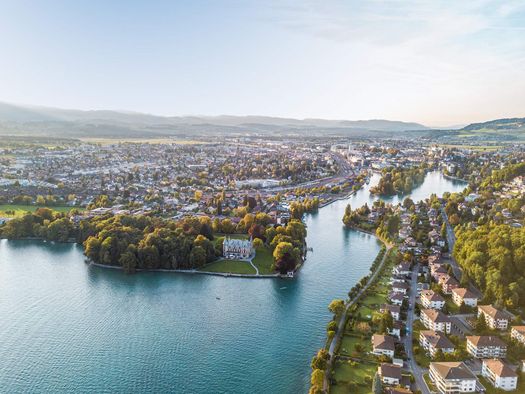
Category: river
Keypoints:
(66, 326)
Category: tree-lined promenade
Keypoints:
(323, 363)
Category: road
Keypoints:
(341, 323)
(416, 370)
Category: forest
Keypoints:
(399, 180)
(493, 255)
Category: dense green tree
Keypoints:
(336, 306)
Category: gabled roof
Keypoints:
(520, 329)
(390, 308)
(431, 295)
(496, 314)
(385, 342)
(485, 341)
(437, 340)
(464, 293)
(400, 286)
(452, 370)
(397, 390)
(500, 368)
(390, 371)
(436, 316)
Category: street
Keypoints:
(416, 370)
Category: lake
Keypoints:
(66, 326)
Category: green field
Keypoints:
(19, 210)
(348, 343)
(344, 373)
(229, 266)
(263, 261)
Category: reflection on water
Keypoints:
(70, 327)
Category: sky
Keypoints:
(439, 63)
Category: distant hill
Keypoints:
(36, 120)
(498, 124)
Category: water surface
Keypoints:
(69, 327)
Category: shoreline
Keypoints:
(225, 274)
(454, 178)
(141, 270)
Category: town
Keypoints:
(431, 317)
(442, 311)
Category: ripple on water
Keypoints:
(69, 327)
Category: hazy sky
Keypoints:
(435, 62)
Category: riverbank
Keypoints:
(454, 178)
(223, 274)
(346, 196)
(342, 344)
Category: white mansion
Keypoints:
(237, 248)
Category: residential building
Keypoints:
(432, 300)
(390, 374)
(448, 283)
(499, 374)
(402, 268)
(435, 320)
(400, 288)
(383, 345)
(486, 346)
(518, 333)
(397, 390)
(495, 319)
(433, 342)
(464, 296)
(452, 378)
(395, 310)
(396, 298)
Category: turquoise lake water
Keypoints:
(66, 326)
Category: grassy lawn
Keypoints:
(230, 266)
(348, 343)
(20, 210)
(344, 372)
(263, 261)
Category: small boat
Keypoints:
(217, 298)
(282, 288)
